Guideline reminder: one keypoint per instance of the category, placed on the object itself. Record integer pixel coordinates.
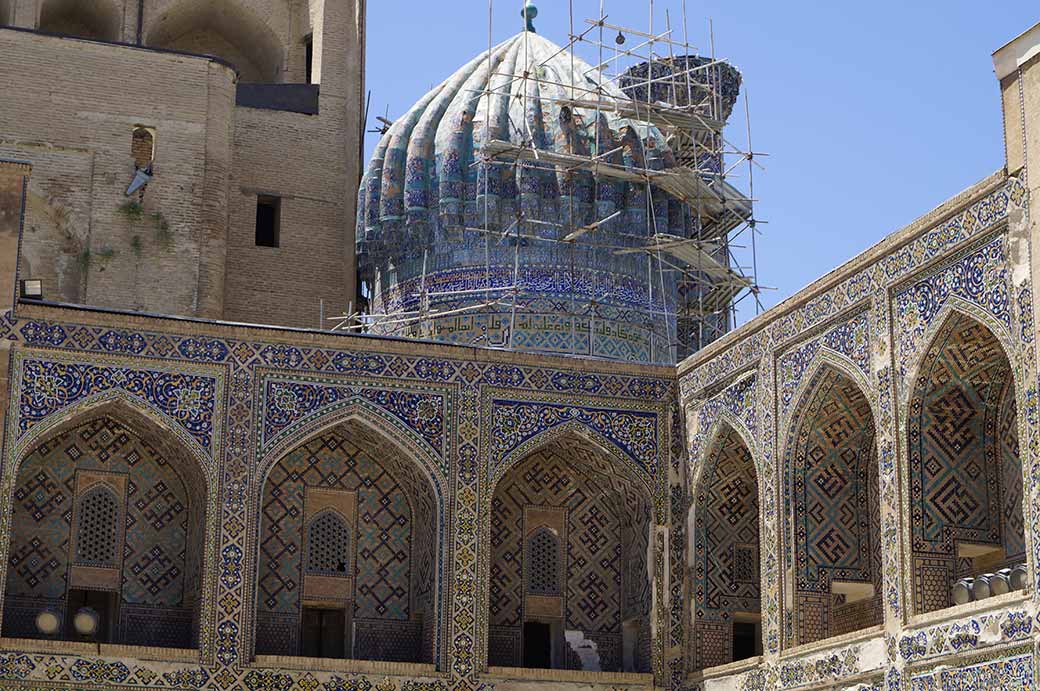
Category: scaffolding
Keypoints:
(665, 84)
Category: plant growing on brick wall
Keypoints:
(163, 234)
(135, 245)
(133, 210)
(104, 255)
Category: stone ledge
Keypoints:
(726, 670)
(82, 648)
(564, 675)
(994, 603)
(834, 642)
(337, 665)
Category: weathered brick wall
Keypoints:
(12, 182)
(312, 163)
(211, 159)
(77, 239)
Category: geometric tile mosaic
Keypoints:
(958, 456)
(607, 531)
(832, 488)
(152, 546)
(392, 551)
(725, 573)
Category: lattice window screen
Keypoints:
(328, 545)
(543, 577)
(745, 564)
(97, 531)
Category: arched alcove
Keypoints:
(226, 29)
(100, 20)
(108, 513)
(586, 605)
(725, 580)
(965, 474)
(350, 497)
(833, 512)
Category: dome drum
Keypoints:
(465, 235)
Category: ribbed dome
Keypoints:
(426, 182)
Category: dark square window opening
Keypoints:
(324, 633)
(537, 645)
(268, 212)
(308, 46)
(745, 640)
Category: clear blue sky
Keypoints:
(872, 113)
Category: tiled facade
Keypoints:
(862, 432)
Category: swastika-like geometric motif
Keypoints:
(726, 543)
(328, 544)
(1012, 518)
(607, 532)
(962, 451)
(393, 550)
(157, 544)
(96, 534)
(832, 487)
(543, 549)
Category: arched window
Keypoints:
(328, 545)
(543, 553)
(96, 537)
(568, 578)
(356, 518)
(142, 146)
(726, 554)
(833, 534)
(133, 550)
(965, 473)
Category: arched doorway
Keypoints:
(965, 474)
(569, 584)
(348, 551)
(831, 493)
(108, 523)
(225, 29)
(99, 20)
(726, 584)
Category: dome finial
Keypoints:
(529, 12)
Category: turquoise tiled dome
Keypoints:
(426, 183)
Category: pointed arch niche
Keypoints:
(725, 570)
(110, 514)
(833, 532)
(348, 551)
(100, 20)
(965, 473)
(226, 29)
(569, 580)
